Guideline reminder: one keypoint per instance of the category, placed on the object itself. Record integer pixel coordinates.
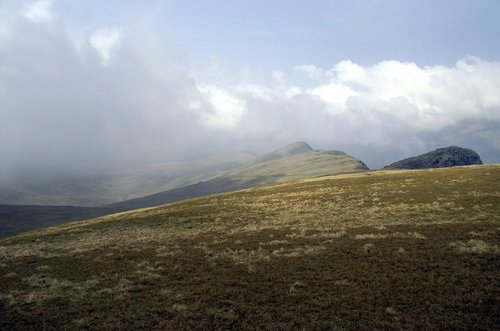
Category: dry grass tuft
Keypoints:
(409, 235)
(475, 246)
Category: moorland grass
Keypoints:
(377, 250)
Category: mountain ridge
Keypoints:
(294, 161)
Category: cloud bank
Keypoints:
(96, 98)
(390, 105)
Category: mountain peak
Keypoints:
(299, 147)
(295, 148)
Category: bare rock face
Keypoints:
(440, 158)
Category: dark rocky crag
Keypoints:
(440, 158)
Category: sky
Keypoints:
(88, 87)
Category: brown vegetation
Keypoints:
(384, 250)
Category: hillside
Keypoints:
(295, 161)
(291, 162)
(440, 158)
(375, 250)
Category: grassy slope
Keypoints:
(15, 219)
(274, 167)
(391, 250)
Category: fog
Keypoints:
(100, 99)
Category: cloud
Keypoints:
(390, 105)
(104, 40)
(227, 109)
(335, 95)
(39, 11)
(309, 70)
(64, 108)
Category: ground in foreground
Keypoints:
(385, 250)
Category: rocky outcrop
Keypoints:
(440, 158)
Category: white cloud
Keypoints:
(256, 91)
(335, 95)
(104, 40)
(389, 105)
(440, 96)
(39, 11)
(227, 108)
(423, 98)
(278, 75)
(151, 107)
(309, 70)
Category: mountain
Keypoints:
(379, 250)
(440, 158)
(292, 162)
(295, 161)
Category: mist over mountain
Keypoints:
(292, 162)
(97, 190)
(295, 161)
(89, 94)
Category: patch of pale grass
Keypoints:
(391, 311)
(241, 256)
(274, 242)
(322, 235)
(409, 235)
(480, 233)
(328, 235)
(251, 268)
(82, 321)
(163, 251)
(40, 288)
(179, 307)
(341, 282)
(475, 246)
(244, 256)
(146, 271)
(225, 314)
(298, 251)
(42, 268)
(401, 251)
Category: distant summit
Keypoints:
(289, 150)
(440, 158)
(292, 149)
